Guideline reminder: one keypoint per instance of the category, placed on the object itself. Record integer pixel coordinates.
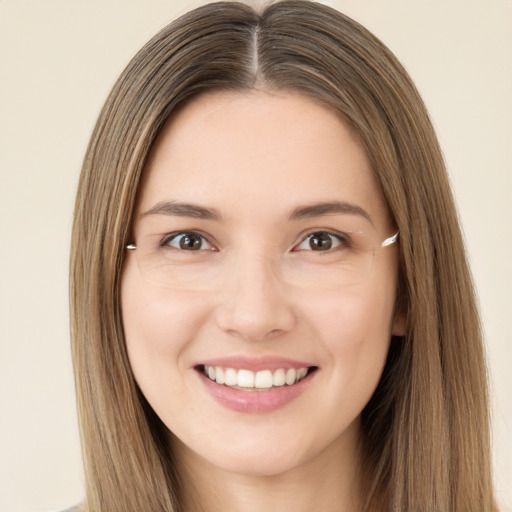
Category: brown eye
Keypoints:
(319, 241)
(188, 242)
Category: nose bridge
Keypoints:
(253, 302)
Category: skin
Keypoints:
(261, 155)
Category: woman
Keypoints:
(271, 305)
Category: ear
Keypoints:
(398, 327)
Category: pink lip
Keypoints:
(255, 364)
(254, 401)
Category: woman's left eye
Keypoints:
(320, 241)
(188, 242)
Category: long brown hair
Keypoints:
(425, 430)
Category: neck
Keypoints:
(330, 481)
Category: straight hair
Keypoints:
(425, 431)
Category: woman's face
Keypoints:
(258, 260)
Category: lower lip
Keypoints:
(255, 401)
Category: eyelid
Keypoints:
(168, 237)
(342, 238)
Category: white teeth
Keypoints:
(263, 379)
(245, 379)
(291, 375)
(301, 373)
(279, 378)
(231, 377)
(220, 376)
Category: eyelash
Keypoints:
(173, 236)
(342, 239)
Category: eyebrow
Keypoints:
(172, 208)
(183, 210)
(330, 208)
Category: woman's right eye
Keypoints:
(188, 241)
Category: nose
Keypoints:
(254, 304)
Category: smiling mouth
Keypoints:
(263, 380)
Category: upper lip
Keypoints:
(254, 364)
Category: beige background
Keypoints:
(58, 60)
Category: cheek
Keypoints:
(158, 326)
(155, 317)
(354, 329)
(351, 319)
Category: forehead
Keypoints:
(255, 152)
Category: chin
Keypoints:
(258, 464)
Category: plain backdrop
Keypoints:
(58, 61)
